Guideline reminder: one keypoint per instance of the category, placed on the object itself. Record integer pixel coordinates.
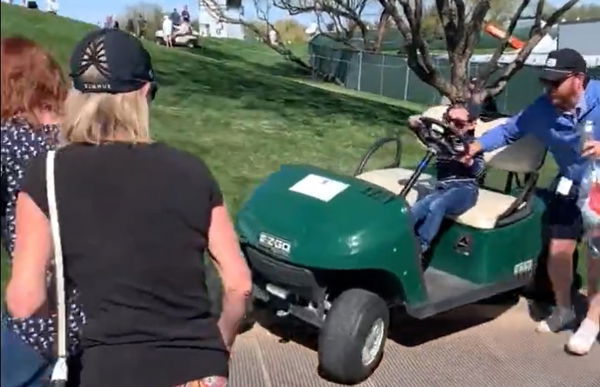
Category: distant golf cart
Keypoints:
(338, 252)
(191, 40)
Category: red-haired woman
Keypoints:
(33, 93)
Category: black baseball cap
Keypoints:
(121, 60)
(562, 63)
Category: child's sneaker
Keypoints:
(582, 341)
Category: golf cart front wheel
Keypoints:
(352, 340)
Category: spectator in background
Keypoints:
(130, 28)
(175, 17)
(108, 23)
(183, 29)
(185, 15)
(273, 37)
(167, 29)
(151, 211)
(52, 6)
(33, 94)
(140, 26)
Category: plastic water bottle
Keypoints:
(587, 134)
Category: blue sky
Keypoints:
(93, 11)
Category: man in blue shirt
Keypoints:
(556, 118)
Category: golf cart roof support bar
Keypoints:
(418, 171)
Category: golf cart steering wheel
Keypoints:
(448, 141)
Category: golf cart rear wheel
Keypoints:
(351, 341)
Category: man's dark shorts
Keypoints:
(563, 216)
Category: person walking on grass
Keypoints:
(136, 217)
(140, 26)
(185, 15)
(52, 6)
(556, 119)
(167, 29)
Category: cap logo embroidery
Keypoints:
(95, 55)
(551, 62)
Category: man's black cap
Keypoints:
(121, 61)
(562, 63)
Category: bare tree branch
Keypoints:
(461, 20)
(417, 51)
(218, 13)
(460, 24)
(492, 66)
(381, 27)
(467, 36)
(538, 17)
(345, 14)
(536, 36)
(447, 19)
(417, 46)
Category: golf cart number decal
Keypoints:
(523, 267)
(319, 187)
(275, 244)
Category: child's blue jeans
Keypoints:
(449, 198)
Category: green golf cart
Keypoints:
(338, 252)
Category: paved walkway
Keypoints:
(478, 345)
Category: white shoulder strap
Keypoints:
(59, 372)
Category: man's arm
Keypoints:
(510, 131)
(503, 134)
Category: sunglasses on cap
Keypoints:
(556, 84)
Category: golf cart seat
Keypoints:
(493, 208)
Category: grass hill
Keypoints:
(230, 104)
(241, 108)
(234, 104)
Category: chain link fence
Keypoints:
(390, 76)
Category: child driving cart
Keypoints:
(457, 186)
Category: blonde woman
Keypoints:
(136, 217)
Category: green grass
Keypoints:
(232, 104)
(242, 108)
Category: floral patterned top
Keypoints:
(20, 142)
